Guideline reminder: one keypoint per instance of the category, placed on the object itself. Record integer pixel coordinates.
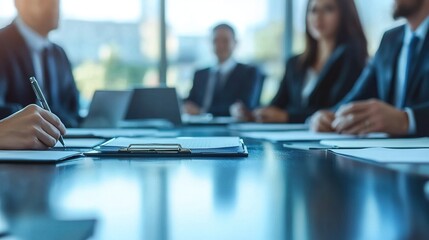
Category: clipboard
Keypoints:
(166, 150)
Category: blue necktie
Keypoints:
(47, 73)
(411, 62)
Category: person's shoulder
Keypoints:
(352, 49)
(202, 70)
(8, 29)
(394, 33)
(294, 62)
(58, 49)
(9, 35)
(245, 67)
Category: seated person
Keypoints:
(30, 128)
(335, 54)
(392, 95)
(25, 51)
(216, 89)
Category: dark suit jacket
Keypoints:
(16, 67)
(335, 80)
(244, 84)
(379, 78)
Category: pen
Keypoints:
(42, 100)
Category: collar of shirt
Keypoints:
(420, 32)
(36, 42)
(226, 67)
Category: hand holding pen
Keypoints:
(42, 100)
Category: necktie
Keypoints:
(411, 62)
(212, 91)
(219, 85)
(47, 63)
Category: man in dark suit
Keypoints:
(392, 94)
(25, 51)
(216, 89)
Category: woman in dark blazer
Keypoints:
(335, 55)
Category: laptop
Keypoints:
(107, 109)
(153, 107)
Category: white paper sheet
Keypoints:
(387, 155)
(295, 136)
(109, 132)
(80, 142)
(189, 143)
(37, 156)
(242, 127)
(378, 143)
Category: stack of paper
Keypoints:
(109, 132)
(37, 156)
(80, 142)
(387, 155)
(189, 143)
(295, 136)
(172, 147)
(256, 127)
(378, 143)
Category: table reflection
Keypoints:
(276, 193)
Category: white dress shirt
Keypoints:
(310, 83)
(36, 44)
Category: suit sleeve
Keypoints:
(365, 88)
(253, 83)
(6, 109)
(70, 114)
(421, 115)
(193, 93)
(281, 100)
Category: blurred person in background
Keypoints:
(217, 88)
(334, 57)
(392, 95)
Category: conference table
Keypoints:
(274, 193)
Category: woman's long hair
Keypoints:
(350, 30)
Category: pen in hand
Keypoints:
(42, 100)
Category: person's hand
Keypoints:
(270, 115)
(30, 128)
(322, 120)
(370, 116)
(240, 112)
(191, 108)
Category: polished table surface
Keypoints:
(275, 193)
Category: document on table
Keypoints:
(295, 136)
(80, 143)
(109, 132)
(37, 156)
(189, 143)
(254, 127)
(387, 155)
(172, 147)
(378, 143)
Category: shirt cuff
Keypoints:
(411, 121)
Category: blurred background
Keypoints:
(119, 44)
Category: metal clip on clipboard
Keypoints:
(156, 149)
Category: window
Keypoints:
(115, 48)
(119, 46)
